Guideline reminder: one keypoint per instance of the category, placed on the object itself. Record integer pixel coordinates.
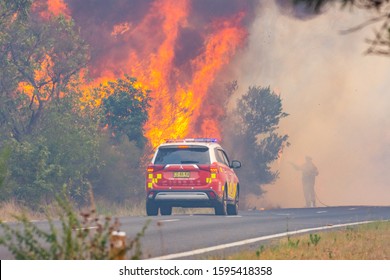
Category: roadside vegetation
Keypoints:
(10, 210)
(364, 242)
(72, 235)
(51, 135)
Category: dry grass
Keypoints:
(192, 211)
(10, 209)
(365, 242)
(120, 209)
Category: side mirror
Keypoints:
(235, 164)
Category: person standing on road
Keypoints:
(309, 173)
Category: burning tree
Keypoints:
(52, 142)
(39, 58)
(46, 118)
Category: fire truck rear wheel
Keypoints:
(232, 209)
(151, 208)
(220, 209)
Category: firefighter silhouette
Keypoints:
(309, 173)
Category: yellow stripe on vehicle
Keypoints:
(154, 179)
(212, 176)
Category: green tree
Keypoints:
(4, 156)
(11, 13)
(254, 138)
(63, 150)
(125, 109)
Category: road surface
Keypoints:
(196, 236)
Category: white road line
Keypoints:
(168, 221)
(249, 241)
(237, 216)
(86, 228)
(320, 212)
(352, 209)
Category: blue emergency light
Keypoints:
(207, 140)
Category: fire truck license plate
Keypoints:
(181, 174)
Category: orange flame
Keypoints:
(177, 103)
(42, 81)
(48, 8)
(220, 47)
(147, 51)
(57, 7)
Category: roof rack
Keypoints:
(210, 140)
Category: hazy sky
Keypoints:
(338, 100)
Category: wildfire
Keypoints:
(57, 7)
(42, 81)
(154, 51)
(121, 28)
(47, 8)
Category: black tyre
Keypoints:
(151, 208)
(232, 209)
(166, 210)
(220, 209)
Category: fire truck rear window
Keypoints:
(183, 156)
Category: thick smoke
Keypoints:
(338, 101)
(97, 20)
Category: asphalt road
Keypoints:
(196, 236)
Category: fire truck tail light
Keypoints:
(213, 169)
(183, 147)
(154, 168)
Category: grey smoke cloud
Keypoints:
(338, 100)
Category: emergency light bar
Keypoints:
(212, 140)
